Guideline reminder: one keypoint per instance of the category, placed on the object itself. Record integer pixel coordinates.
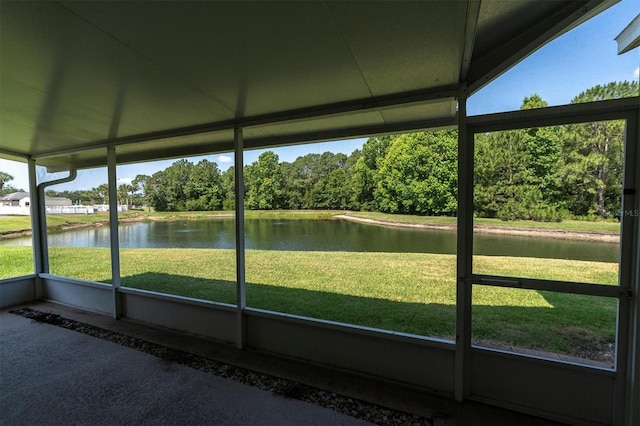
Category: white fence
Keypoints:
(14, 210)
(70, 209)
(24, 211)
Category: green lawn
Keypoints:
(412, 293)
(54, 221)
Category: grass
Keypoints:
(548, 269)
(412, 293)
(14, 223)
(55, 222)
(289, 214)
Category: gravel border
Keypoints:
(283, 387)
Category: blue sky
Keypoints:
(580, 59)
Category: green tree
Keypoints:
(125, 194)
(166, 189)
(228, 182)
(418, 175)
(593, 157)
(204, 187)
(4, 179)
(516, 172)
(139, 184)
(100, 194)
(326, 172)
(306, 179)
(365, 172)
(295, 185)
(265, 183)
(331, 192)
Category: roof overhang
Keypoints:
(629, 38)
(161, 79)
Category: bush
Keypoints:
(229, 204)
(512, 210)
(546, 214)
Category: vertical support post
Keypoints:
(39, 213)
(38, 240)
(113, 231)
(628, 359)
(241, 295)
(42, 225)
(464, 251)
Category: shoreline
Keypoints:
(20, 233)
(514, 231)
(485, 229)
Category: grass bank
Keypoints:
(412, 293)
(602, 227)
(18, 226)
(15, 226)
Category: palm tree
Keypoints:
(4, 178)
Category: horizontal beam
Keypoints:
(353, 132)
(207, 148)
(7, 154)
(629, 38)
(553, 116)
(548, 285)
(343, 108)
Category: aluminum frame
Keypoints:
(144, 305)
(241, 284)
(114, 241)
(625, 409)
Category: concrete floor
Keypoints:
(50, 375)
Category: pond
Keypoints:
(324, 235)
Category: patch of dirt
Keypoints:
(15, 234)
(594, 348)
(595, 352)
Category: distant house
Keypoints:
(57, 202)
(19, 202)
(22, 199)
(15, 199)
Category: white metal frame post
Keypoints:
(464, 252)
(113, 231)
(36, 229)
(241, 294)
(626, 274)
(627, 380)
(41, 216)
(629, 319)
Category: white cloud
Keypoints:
(225, 159)
(124, 180)
(636, 73)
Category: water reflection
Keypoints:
(324, 235)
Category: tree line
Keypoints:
(546, 174)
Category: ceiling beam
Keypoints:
(629, 38)
(7, 154)
(205, 148)
(343, 108)
(471, 13)
(613, 109)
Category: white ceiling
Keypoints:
(161, 79)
